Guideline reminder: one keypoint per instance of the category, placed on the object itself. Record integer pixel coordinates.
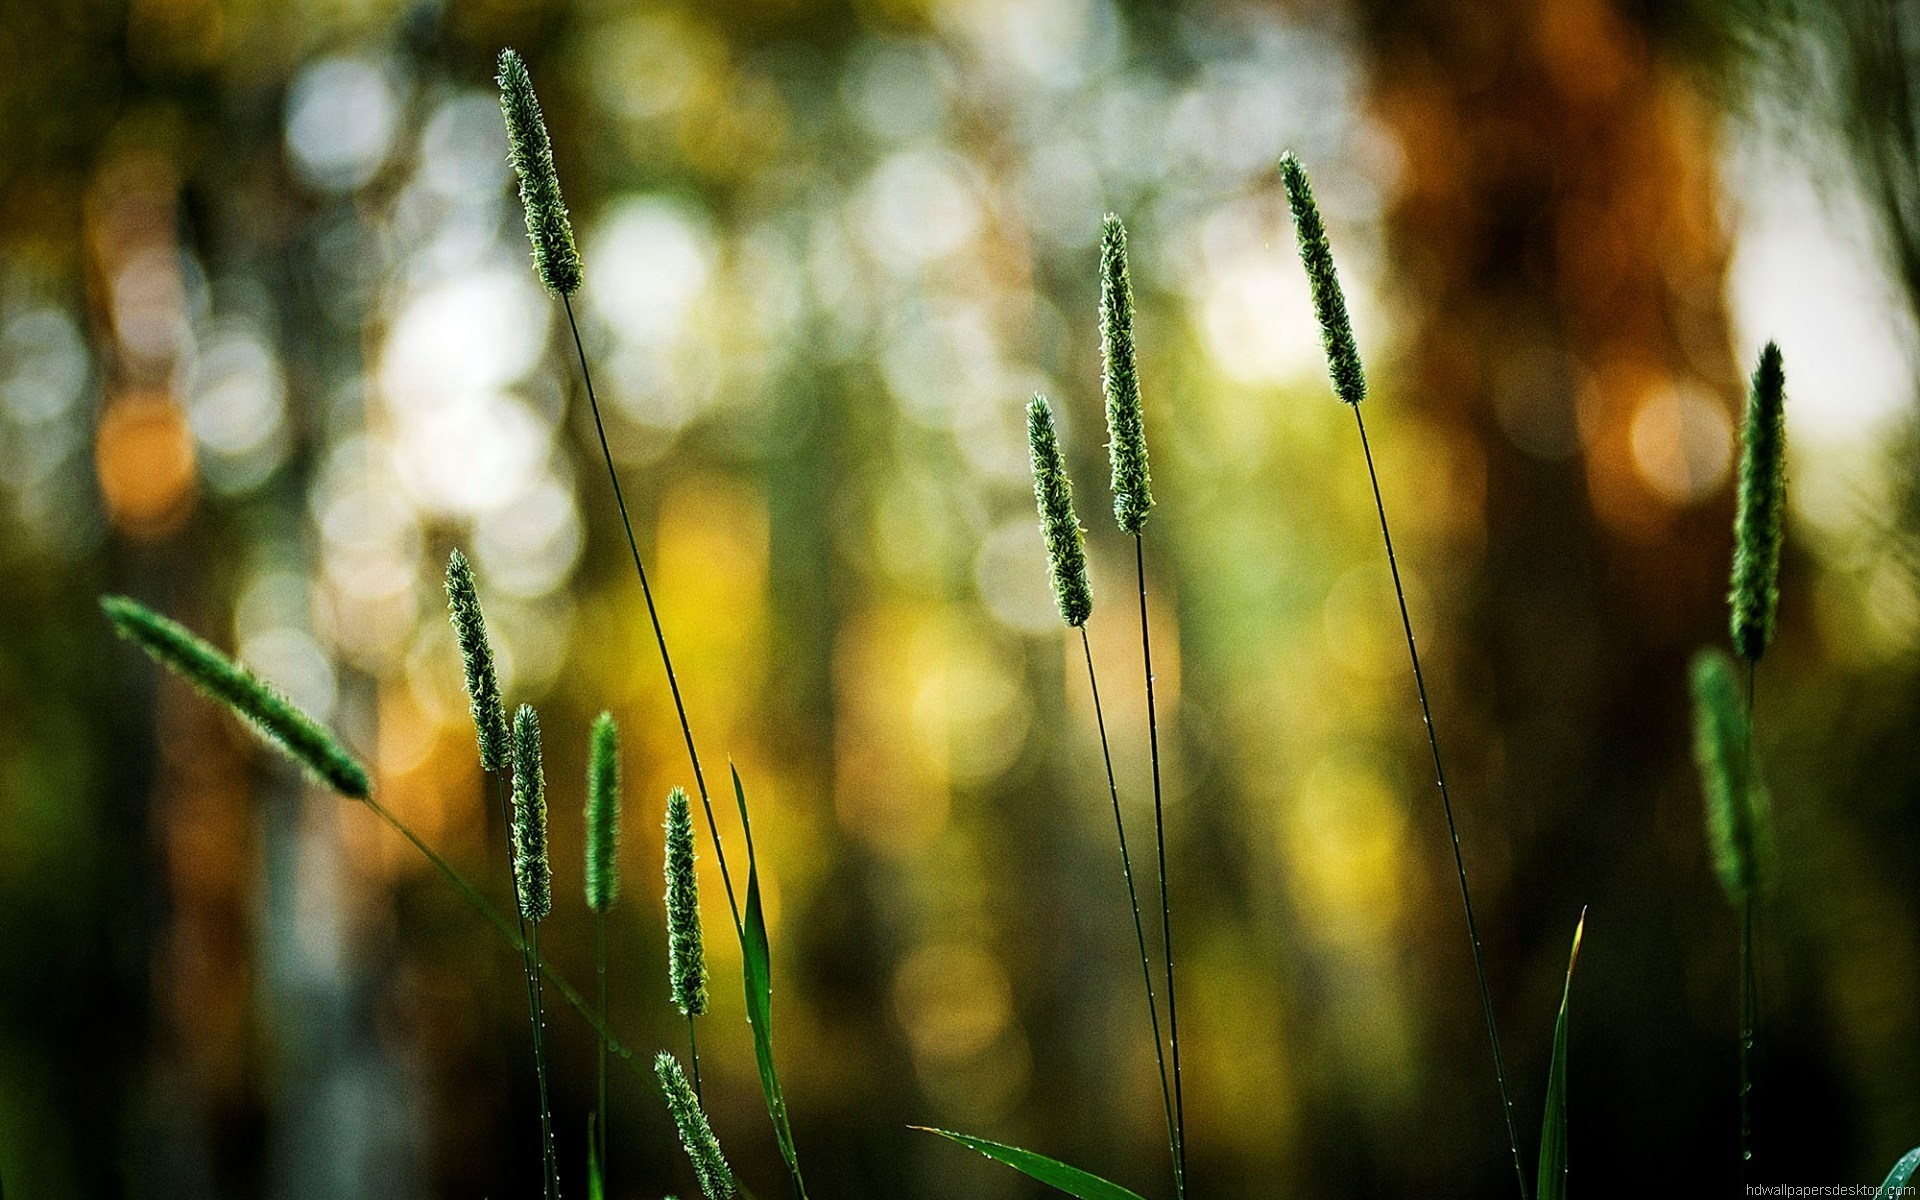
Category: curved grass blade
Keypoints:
(1071, 1180)
(1900, 1177)
(1552, 1183)
(757, 965)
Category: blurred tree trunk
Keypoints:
(1556, 249)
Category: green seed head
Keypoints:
(1126, 430)
(1053, 493)
(476, 653)
(1336, 331)
(709, 1165)
(603, 814)
(686, 958)
(1758, 520)
(532, 872)
(1736, 799)
(554, 256)
(271, 715)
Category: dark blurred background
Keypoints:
(270, 347)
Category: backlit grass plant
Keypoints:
(511, 752)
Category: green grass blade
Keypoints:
(757, 965)
(1071, 1180)
(1552, 1183)
(1900, 1177)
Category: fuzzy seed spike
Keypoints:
(1736, 800)
(531, 866)
(686, 956)
(1053, 494)
(275, 718)
(1120, 378)
(476, 654)
(1329, 304)
(554, 257)
(703, 1148)
(1758, 520)
(603, 814)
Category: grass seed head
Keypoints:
(686, 957)
(531, 868)
(476, 654)
(603, 814)
(1329, 304)
(1120, 374)
(272, 715)
(1053, 494)
(1758, 519)
(554, 257)
(1736, 801)
(703, 1148)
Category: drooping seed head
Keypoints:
(1736, 800)
(271, 715)
(476, 654)
(554, 257)
(532, 872)
(686, 956)
(703, 1148)
(1329, 304)
(1053, 494)
(1120, 377)
(603, 814)
(1758, 523)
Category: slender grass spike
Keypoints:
(703, 1148)
(686, 956)
(531, 866)
(1053, 494)
(1120, 380)
(476, 655)
(531, 152)
(603, 814)
(275, 718)
(1329, 303)
(1736, 803)
(1758, 523)
(1350, 384)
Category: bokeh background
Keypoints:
(270, 348)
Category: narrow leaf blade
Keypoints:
(1552, 1183)
(596, 1183)
(757, 966)
(1900, 1177)
(1071, 1180)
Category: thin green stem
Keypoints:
(600, 978)
(1446, 804)
(548, 1150)
(526, 966)
(693, 1052)
(1749, 988)
(653, 614)
(1139, 929)
(1160, 844)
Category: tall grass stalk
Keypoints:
(533, 871)
(495, 742)
(1132, 500)
(1752, 600)
(558, 266)
(1073, 595)
(1350, 385)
